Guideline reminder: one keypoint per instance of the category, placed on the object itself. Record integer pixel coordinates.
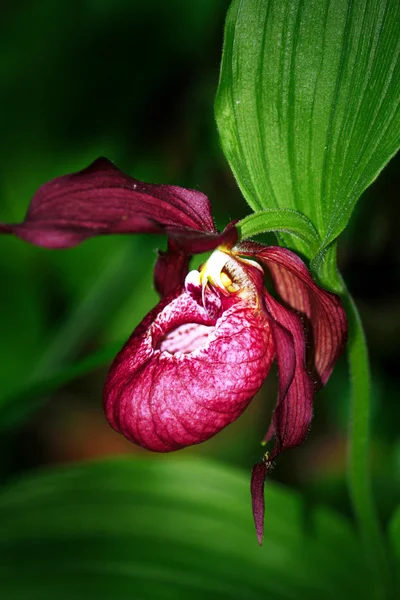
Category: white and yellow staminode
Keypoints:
(212, 271)
(225, 271)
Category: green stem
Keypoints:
(359, 478)
(358, 470)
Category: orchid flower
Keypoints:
(199, 357)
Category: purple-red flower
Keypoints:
(199, 357)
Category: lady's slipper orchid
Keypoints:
(199, 357)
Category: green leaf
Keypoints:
(280, 220)
(308, 105)
(164, 528)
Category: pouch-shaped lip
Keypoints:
(164, 401)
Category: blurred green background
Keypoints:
(135, 81)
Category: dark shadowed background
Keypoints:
(135, 81)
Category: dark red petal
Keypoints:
(323, 311)
(258, 475)
(184, 375)
(101, 199)
(171, 269)
(294, 410)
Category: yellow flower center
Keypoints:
(227, 272)
(212, 272)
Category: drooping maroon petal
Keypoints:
(185, 375)
(102, 199)
(258, 475)
(322, 310)
(294, 409)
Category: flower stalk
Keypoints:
(358, 470)
(358, 463)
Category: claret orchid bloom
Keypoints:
(199, 357)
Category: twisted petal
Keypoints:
(101, 199)
(322, 311)
(258, 475)
(324, 314)
(294, 410)
(184, 375)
